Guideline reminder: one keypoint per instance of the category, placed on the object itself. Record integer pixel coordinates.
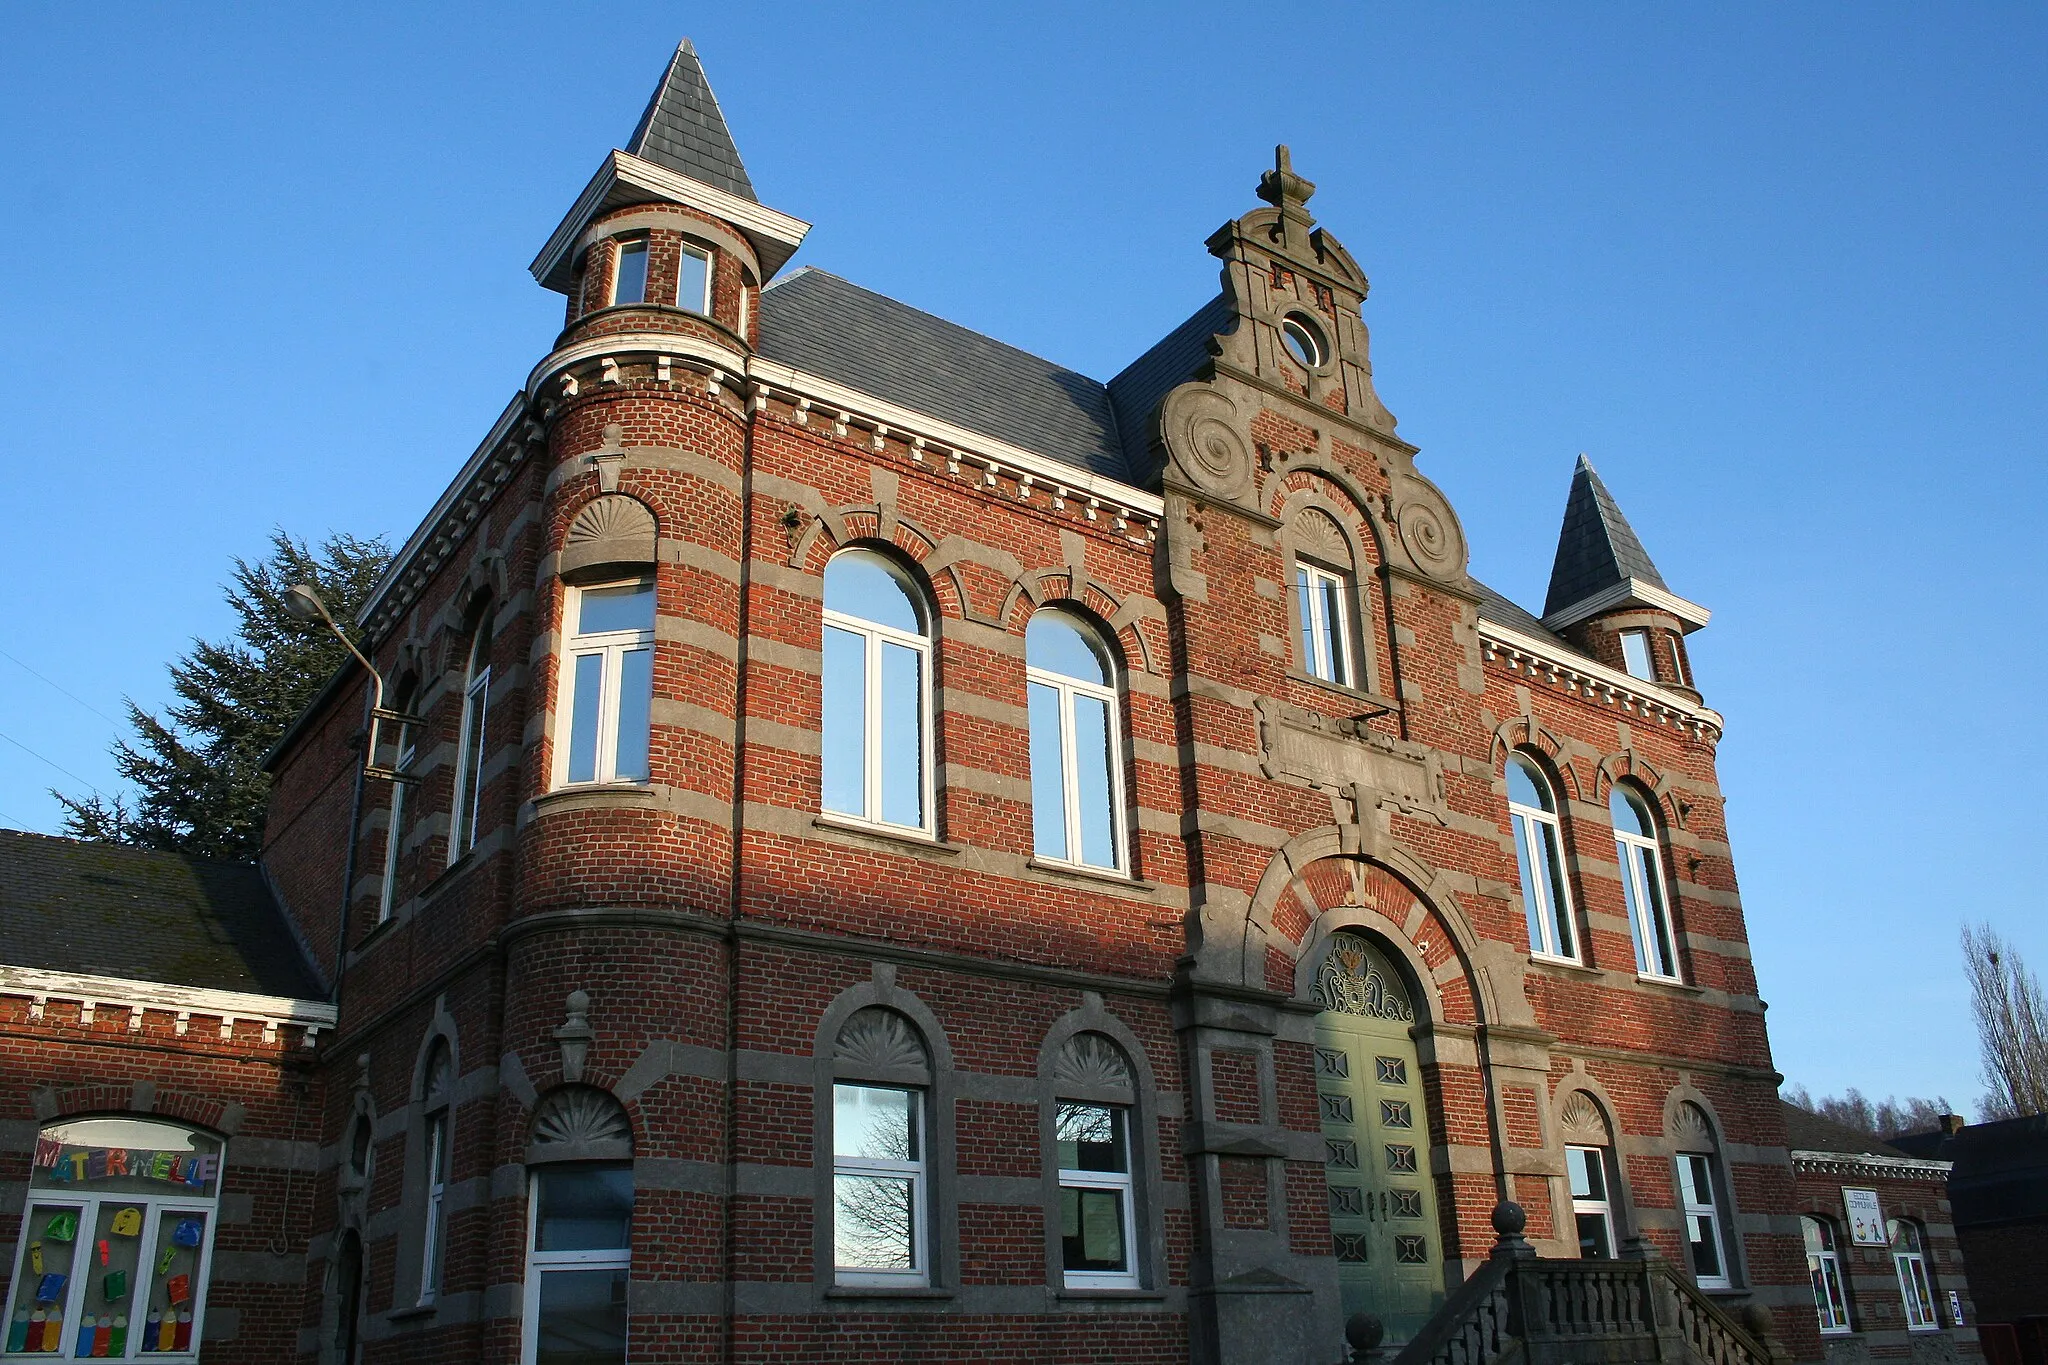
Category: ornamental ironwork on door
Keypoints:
(1383, 1223)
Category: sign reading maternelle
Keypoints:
(1866, 1219)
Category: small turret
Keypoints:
(1606, 595)
(668, 235)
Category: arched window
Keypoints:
(876, 760)
(116, 1244)
(348, 1297)
(1325, 586)
(1700, 1199)
(607, 683)
(881, 1188)
(1824, 1266)
(1077, 807)
(1093, 1108)
(1539, 850)
(404, 752)
(579, 1230)
(1589, 1166)
(1909, 1258)
(469, 747)
(437, 1136)
(1642, 883)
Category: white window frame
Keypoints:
(1316, 351)
(394, 819)
(620, 248)
(1521, 819)
(1824, 1268)
(613, 646)
(1602, 1207)
(702, 306)
(1678, 669)
(1910, 1266)
(746, 306)
(437, 1139)
(1124, 1183)
(539, 1263)
(1640, 639)
(470, 750)
(1067, 689)
(1311, 584)
(1711, 1212)
(919, 1273)
(143, 1279)
(1642, 871)
(873, 636)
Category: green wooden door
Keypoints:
(1376, 1141)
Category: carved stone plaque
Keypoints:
(1327, 752)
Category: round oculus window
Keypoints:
(1304, 341)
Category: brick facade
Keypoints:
(694, 946)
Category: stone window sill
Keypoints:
(886, 1291)
(595, 796)
(417, 1313)
(909, 840)
(1112, 1295)
(1563, 964)
(1667, 983)
(1093, 874)
(1374, 703)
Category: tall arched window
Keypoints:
(1642, 883)
(469, 747)
(1909, 1258)
(1700, 1199)
(404, 751)
(1093, 1117)
(876, 722)
(579, 1234)
(881, 1186)
(1325, 586)
(1590, 1168)
(1076, 770)
(437, 1134)
(1539, 850)
(1824, 1266)
(116, 1242)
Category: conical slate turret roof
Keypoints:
(683, 130)
(1597, 549)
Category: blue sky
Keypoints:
(1778, 269)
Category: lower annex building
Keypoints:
(878, 847)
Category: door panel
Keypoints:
(1376, 1144)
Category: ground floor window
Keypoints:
(1824, 1264)
(1909, 1257)
(1097, 1222)
(580, 1229)
(115, 1242)
(1702, 1220)
(1592, 1205)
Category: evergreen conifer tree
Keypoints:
(199, 786)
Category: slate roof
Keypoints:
(684, 131)
(819, 323)
(108, 910)
(1809, 1132)
(1597, 548)
(1502, 612)
(1173, 360)
(2001, 1169)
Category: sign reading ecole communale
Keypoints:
(1866, 1219)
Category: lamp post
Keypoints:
(301, 603)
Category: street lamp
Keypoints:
(301, 603)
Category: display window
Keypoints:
(115, 1243)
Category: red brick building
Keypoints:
(900, 851)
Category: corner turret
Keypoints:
(1606, 595)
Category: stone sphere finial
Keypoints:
(1758, 1320)
(1509, 1219)
(1363, 1331)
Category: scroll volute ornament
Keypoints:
(1208, 442)
(1428, 530)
